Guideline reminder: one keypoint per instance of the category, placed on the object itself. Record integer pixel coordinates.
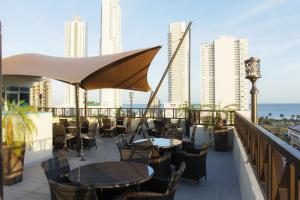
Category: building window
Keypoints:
(17, 94)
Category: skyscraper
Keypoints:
(110, 43)
(75, 46)
(179, 73)
(40, 94)
(223, 73)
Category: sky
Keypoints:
(272, 28)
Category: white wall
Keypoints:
(42, 141)
(249, 187)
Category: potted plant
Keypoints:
(18, 129)
(217, 124)
(221, 128)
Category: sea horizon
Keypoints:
(276, 109)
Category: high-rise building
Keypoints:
(40, 94)
(223, 73)
(179, 73)
(110, 43)
(75, 46)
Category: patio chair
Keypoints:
(107, 127)
(56, 169)
(59, 136)
(64, 122)
(136, 155)
(195, 163)
(122, 142)
(90, 139)
(63, 191)
(157, 188)
(189, 145)
(160, 163)
(84, 124)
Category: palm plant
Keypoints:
(18, 126)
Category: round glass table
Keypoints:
(163, 143)
(111, 174)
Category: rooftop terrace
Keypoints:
(221, 183)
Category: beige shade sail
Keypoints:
(126, 70)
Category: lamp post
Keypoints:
(131, 97)
(252, 67)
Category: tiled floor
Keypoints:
(221, 183)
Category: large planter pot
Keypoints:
(13, 164)
(220, 138)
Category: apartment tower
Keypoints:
(75, 46)
(40, 94)
(223, 73)
(179, 73)
(110, 43)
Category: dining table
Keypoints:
(161, 143)
(112, 174)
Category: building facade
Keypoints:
(179, 73)
(223, 73)
(75, 46)
(41, 94)
(110, 43)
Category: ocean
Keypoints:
(263, 109)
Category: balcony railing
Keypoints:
(276, 164)
(196, 116)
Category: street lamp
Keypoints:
(131, 97)
(252, 67)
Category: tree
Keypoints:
(281, 116)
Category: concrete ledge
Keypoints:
(249, 187)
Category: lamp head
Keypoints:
(252, 67)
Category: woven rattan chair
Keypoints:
(90, 140)
(195, 163)
(189, 145)
(107, 127)
(157, 188)
(160, 163)
(136, 155)
(59, 136)
(56, 169)
(122, 141)
(72, 192)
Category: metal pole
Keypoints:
(131, 96)
(254, 92)
(85, 103)
(1, 168)
(138, 129)
(78, 135)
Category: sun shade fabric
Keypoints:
(126, 70)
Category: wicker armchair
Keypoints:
(136, 155)
(157, 188)
(56, 170)
(59, 136)
(160, 163)
(189, 145)
(90, 139)
(107, 127)
(122, 141)
(72, 192)
(195, 163)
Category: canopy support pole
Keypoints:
(77, 119)
(139, 127)
(1, 168)
(85, 102)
